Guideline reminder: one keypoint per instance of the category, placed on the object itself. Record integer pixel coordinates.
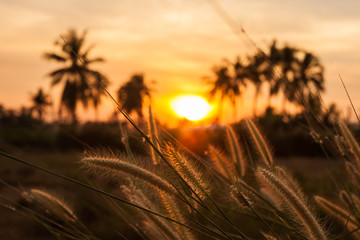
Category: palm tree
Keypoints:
(310, 78)
(331, 115)
(288, 64)
(80, 82)
(131, 94)
(256, 72)
(301, 77)
(227, 85)
(40, 102)
(273, 59)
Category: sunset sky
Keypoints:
(174, 42)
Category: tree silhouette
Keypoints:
(273, 59)
(309, 79)
(296, 74)
(228, 84)
(81, 83)
(331, 115)
(284, 82)
(131, 95)
(40, 101)
(257, 73)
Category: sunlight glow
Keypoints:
(191, 107)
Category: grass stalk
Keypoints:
(350, 140)
(260, 143)
(122, 200)
(293, 202)
(154, 138)
(235, 150)
(111, 165)
(338, 212)
(187, 171)
(220, 163)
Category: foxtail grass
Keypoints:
(236, 152)
(154, 138)
(351, 142)
(51, 204)
(187, 171)
(154, 225)
(339, 141)
(119, 166)
(338, 212)
(355, 200)
(240, 198)
(353, 172)
(292, 203)
(345, 198)
(53, 214)
(174, 210)
(289, 181)
(260, 143)
(269, 237)
(221, 163)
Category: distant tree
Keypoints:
(2, 110)
(295, 74)
(331, 115)
(257, 73)
(40, 101)
(229, 78)
(283, 82)
(300, 75)
(273, 59)
(81, 83)
(131, 95)
(309, 78)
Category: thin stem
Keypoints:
(105, 193)
(348, 95)
(146, 137)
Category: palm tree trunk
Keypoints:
(283, 107)
(73, 118)
(269, 98)
(220, 110)
(256, 96)
(60, 115)
(40, 114)
(234, 111)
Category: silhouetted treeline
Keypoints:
(295, 74)
(289, 135)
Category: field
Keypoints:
(88, 205)
(250, 149)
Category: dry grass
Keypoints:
(180, 196)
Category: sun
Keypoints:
(191, 107)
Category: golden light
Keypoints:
(191, 107)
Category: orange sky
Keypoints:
(175, 42)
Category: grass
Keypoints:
(236, 192)
(188, 197)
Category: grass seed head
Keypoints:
(154, 138)
(351, 142)
(236, 152)
(51, 204)
(221, 163)
(339, 213)
(118, 166)
(186, 169)
(260, 143)
(293, 203)
(240, 198)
